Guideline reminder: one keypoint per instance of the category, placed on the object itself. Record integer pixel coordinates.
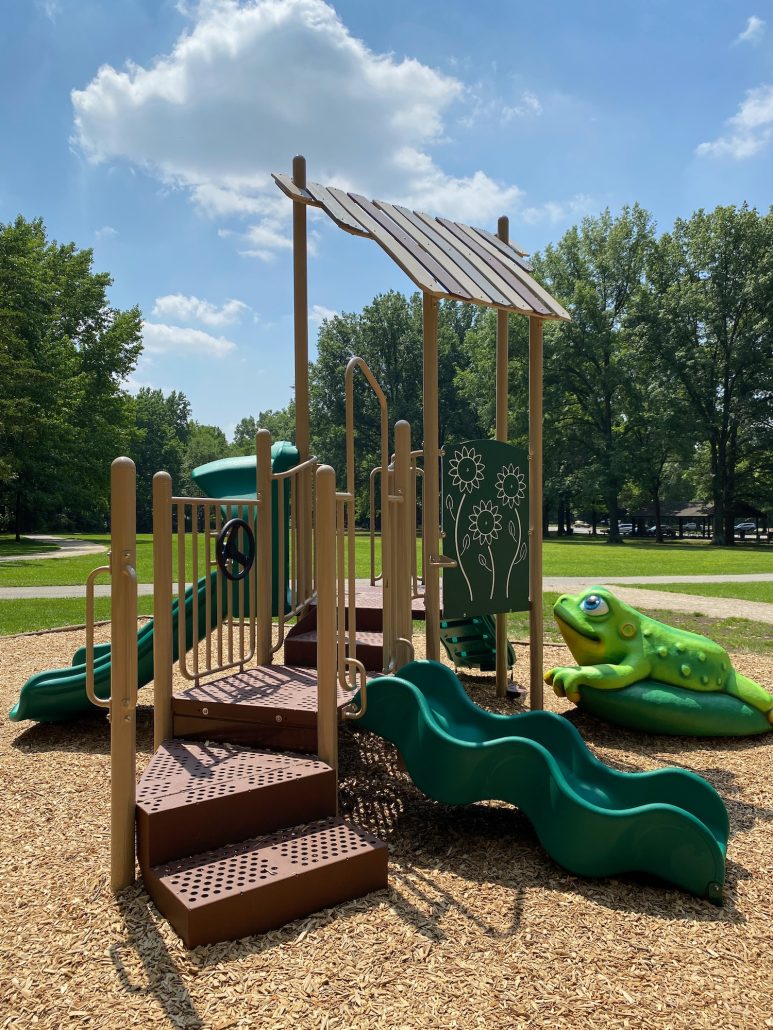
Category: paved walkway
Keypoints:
(714, 607)
(67, 548)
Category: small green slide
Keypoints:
(61, 693)
(593, 820)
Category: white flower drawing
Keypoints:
(511, 485)
(485, 522)
(466, 469)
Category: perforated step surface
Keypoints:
(193, 797)
(263, 883)
(271, 706)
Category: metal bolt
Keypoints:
(205, 711)
(278, 718)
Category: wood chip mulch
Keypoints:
(480, 928)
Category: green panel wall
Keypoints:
(485, 515)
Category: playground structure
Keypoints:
(236, 818)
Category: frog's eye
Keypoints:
(594, 605)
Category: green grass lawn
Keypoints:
(743, 591)
(49, 613)
(9, 546)
(560, 558)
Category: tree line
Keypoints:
(659, 390)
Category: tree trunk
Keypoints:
(614, 528)
(560, 518)
(17, 516)
(658, 526)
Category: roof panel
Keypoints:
(443, 258)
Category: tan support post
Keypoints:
(123, 690)
(162, 608)
(301, 321)
(535, 513)
(327, 676)
(263, 539)
(405, 542)
(502, 433)
(431, 479)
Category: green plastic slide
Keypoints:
(593, 820)
(61, 693)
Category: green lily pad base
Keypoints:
(659, 708)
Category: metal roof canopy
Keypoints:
(444, 259)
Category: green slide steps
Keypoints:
(61, 693)
(471, 643)
(593, 820)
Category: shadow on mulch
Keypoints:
(485, 844)
(88, 734)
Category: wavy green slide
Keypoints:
(593, 820)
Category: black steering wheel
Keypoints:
(227, 553)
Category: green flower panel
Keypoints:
(485, 513)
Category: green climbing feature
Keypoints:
(641, 673)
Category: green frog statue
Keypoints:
(642, 673)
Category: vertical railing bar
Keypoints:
(219, 589)
(207, 590)
(163, 643)
(242, 586)
(182, 608)
(230, 602)
(280, 572)
(294, 540)
(341, 589)
(194, 591)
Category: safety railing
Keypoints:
(293, 597)
(417, 567)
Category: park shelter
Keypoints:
(446, 260)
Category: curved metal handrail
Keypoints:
(90, 693)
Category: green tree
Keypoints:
(160, 434)
(596, 271)
(64, 355)
(204, 444)
(280, 423)
(707, 319)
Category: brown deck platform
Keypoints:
(270, 706)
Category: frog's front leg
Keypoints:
(566, 680)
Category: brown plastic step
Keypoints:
(301, 648)
(194, 797)
(263, 883)
(270, 706)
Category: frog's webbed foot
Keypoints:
(564, 681)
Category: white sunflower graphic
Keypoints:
(485, 522)
(511, 485)
(466, 469)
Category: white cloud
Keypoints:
(193, 309)
(250, 84)
(105, 232)
(553, 212)
(754, 31)
(159, 338)
(319, 313)
(528, 106)
(749, 130)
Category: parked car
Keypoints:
(667, 531)
(690, 527)
(746, 527)
(625, 528)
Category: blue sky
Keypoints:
(147, 129)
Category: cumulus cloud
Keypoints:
(251, 83)
(748, 131)
(754, 31)
(193, 309)
(528, 106)
(319, 313)
(554, 212)
(105, 232)
(160, 338)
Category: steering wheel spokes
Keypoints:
(233, 560)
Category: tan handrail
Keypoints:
(357, 713)
(90, 693)
(355, 363)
